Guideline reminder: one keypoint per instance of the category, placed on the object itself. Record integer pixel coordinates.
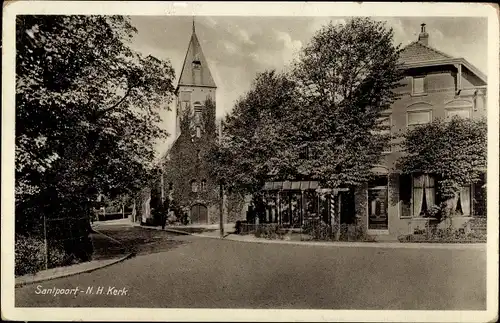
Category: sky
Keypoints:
(239, 47)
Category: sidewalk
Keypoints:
(107, 251)
(382, 243)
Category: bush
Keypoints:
(447, 235)
(270, 231)
(343, 232)
(30, 255)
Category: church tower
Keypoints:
(186, 171)
(195, 86)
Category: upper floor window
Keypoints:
(185, 96)
(386, 122)
(194, 186)
(461, 112)
(197, 112)
(415, 118)
(418, 86)
(203, 185)
(198, 132)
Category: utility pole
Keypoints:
(221, 197)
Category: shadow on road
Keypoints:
(141, 241)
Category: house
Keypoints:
(435, 85)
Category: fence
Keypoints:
(70, 234)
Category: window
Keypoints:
(418, 85)
(479, 197)
(197, 112)
(198, 154)
(462, 201)
(198, 132)
(424, 194)
(405, 192)
(415, 118)
(194, 186)
(386, 122)
(461, 112)
(185, 96)
(203, 185)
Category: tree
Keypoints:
(346, 77)
(455, 151)
(87, 113)
(321, 121)
(247, 150)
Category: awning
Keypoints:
(291, 185)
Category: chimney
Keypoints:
(423, 37)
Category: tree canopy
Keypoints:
(454, 150)
(87, 110)
(321, 120)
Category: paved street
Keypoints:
(172, 271)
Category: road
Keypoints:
(211, 273)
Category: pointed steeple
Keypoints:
(195, 71)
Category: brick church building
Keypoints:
(185, 170)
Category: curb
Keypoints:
(107, 263)
(381, 245)
(36, 280)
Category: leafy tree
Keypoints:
(455, 151)
(346, 77)
(87, 113)
(322, 120)
(247, 151)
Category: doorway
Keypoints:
(199, 214)
(377, 204)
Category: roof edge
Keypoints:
(447, 61)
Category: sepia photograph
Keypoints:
(198, 161)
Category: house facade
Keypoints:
(435, 86)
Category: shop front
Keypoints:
(297, 203)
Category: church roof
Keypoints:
(418, 52)
(195, 53)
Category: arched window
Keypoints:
(194, 186)
(203, 185)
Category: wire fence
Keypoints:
(66, 237)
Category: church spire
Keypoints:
(195, 71)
